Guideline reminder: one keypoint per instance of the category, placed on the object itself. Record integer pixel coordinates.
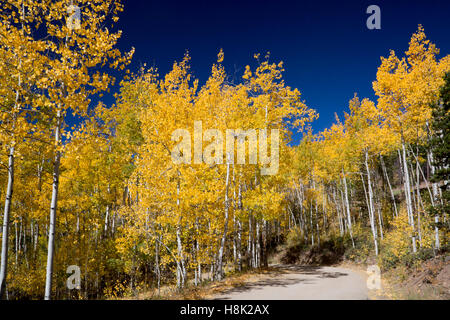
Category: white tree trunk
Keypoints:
(407, 188)
(250, 241)
(239, 241)
(53, 208)
(349, 222)
(383, 166)
(258, 245)
(9, 191)
(341, 227)
(380, 222)
(5, 229)
(311, 223)
(225, 226)
(239, 231)
(181, 270)
(371, 206)
(434, 186)
(419, 201)
(435, 196)
(157, 269)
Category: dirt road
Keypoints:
(291, 282)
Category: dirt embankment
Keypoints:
(429, 280)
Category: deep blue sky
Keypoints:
(327, 49)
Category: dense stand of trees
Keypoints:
(385, 168)
(47, 70)
(107, 196)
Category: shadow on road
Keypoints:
(298, 270)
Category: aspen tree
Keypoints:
(22, 68)
(75, 53)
